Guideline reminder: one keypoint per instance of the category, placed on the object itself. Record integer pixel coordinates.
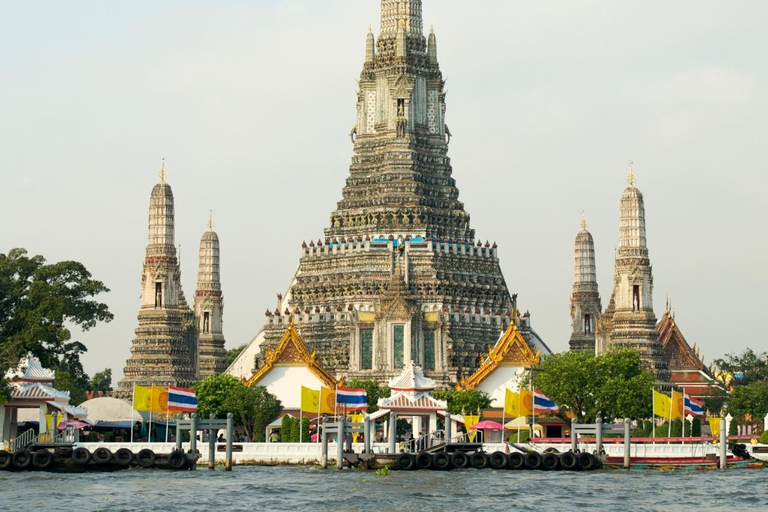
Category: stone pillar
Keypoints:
(448, 427)
(43, 420)
(392, 432)
(5, 425)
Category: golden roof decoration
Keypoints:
(675, 347)
(510, 350)
(292, 351)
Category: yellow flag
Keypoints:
(327, 401)
(714, 426)
(310, 400)
(159, 399)
(678, 405)
(142, 398)
(518, 404)
(526, 401)
(662, 405)
(469, 421)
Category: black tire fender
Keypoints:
(516, 460)
(42, 459)
(81, 456)
(6, 460)
(532, 460)
(123, 457)
(442, 461)
(459, 460)
(568, 461)
(478, 460)
(102, 455)
(22, 459)
(423, 460)
(550, 462)
(498, 460)
(176, 460)
(146, 458)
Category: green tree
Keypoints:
(696, 427)
(461, 401)
(38, 303)
(733, 428)
(253, 407)
(743, 369)
(750, 400)
(102, 381)
(614, 385)
(374, 391)
(234, 352)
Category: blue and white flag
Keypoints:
(181, 399)
(352, 398)
(693, 407)
(542, 402)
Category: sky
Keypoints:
(251, 102)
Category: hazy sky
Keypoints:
(251, 103)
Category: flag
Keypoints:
(159, 399)
(352, 398)
(543, 403)
(327, 401)
(714, 426)
(310, 400)
(469, 421)
(517, 405)
(678, 405)
(693, 407)
(142, 398)
(662, 405)
(181, 399)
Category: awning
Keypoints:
(119, 424)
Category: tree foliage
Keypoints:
(38, 303)
(102, 381)
(253, 407)
(749, 400)
(374, 391)
(234, 352)
(611, 386)
(743, 369)
(464, 401)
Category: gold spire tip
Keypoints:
(163, 173)
(583, 220)
(631, 176)
(210, 221)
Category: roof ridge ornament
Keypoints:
(210, 220)
(583, 220)
(162, 173)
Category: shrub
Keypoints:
(764, 437)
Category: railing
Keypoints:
(22, 442)
(425, 442)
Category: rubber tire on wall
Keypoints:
(42, 459)
(459, 460)
(102, 455)
(6, 460)
(423, 460)
(478, 460)
(176, 460)
(516, 460)
(63, 451)
(532, 460)
(441, 461)
(550, 462)
(498, 460)
(81, 456)
(22, 459)
(568, 461)
(146, 458)
(585, 461)
(405, 462)
(123, 457)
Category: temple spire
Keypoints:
(209, 306)
(393, 12)
(432, 46)
(370, 47)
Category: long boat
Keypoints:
(681, 463)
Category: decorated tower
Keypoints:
(585, 298)
(164, 350)
(209, 307)
(398, 275)
(629, 320)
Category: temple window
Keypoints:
(587, 324)
(158, 295)
(366, 349)
(636, 297)
(398, 346)
(429, 350)
(207, 322)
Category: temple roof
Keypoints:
(30, 370)
(292, 351)
(510, 350)
(677, 352)
(412, 379)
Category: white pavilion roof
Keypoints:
(412, 379)
(30, 369)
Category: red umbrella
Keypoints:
(487, 425)
(73, 424)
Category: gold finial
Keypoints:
(210, 221)
(370, 29)
(432, 29)
(583, 220)
(631, 176)
(163, 174)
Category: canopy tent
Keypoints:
(486, 425)
(105, 410)
(522, 423)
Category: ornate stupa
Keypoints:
(629, 320)
(209, 307)
(585, 298)
(399, 275)
(164, 350)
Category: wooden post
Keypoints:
(574, 435)
(340, 434)
(448, 428)
(193, 437)
(324, 445)
(723, 446)
(627, 445)
(230, 434)
(178, 435)
(366, 434)
(392, 433)
(599, 436)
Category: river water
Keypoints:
(309, 488)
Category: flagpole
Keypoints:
(151, 392)
(503, 419)
(533, 406)
(683, 415)
(671, 413)
(519, 408)
(653, 422)
(133, 405)
(319, 406)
